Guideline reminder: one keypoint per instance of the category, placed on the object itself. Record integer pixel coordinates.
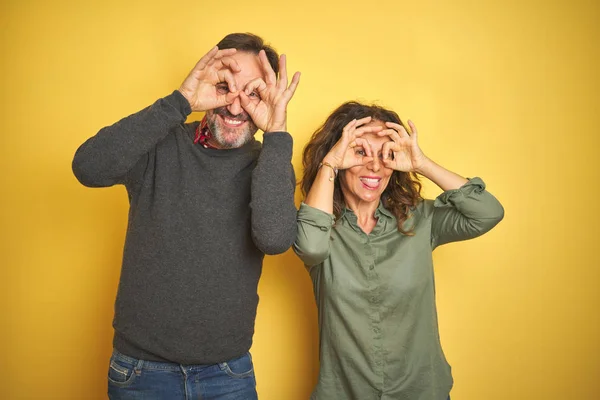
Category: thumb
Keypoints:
(246, 103)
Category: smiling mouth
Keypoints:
(370, 183)
(230, 122)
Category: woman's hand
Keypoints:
(402, 153)
(351, 149)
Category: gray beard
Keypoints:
(242, 136)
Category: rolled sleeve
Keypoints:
(312, 243)
(464, 213)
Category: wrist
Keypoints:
(276, 128)
(425, 167)
(185, 95)
(331, 167)
(329, 159)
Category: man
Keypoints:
(207, 201)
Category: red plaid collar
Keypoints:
(203, 134)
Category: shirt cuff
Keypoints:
(315, 217)
(473, 187)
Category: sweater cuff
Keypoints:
(472, 188)
(177, 100)
(281, 141)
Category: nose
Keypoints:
(374, 165)
(235, 108)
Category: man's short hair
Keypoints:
(250, 43)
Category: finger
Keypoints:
(270, 76)
(225, 75)
(225, 53)
(295, 82)
(386, 151)
(365, 145)
(219, 55)
(230, 63)
(413, 129)
(348, 133)
(217, 60)
(365, 160)
(363, 121)
(403, 132)
(392, 133)
(282, 82)
(230, 97)
(348, 127)
(247, 103)
(206, 58)
(369, 150)
(356, 142)
(225, 99)
(289, 92)
(388, 163)
(368, 129)
(399, 128)
(256, 84)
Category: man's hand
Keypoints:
(266, 100)
(200, 88)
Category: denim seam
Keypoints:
(118, 368)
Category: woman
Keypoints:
(366, 237)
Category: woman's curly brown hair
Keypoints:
(404, 189)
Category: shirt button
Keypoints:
(371, 267)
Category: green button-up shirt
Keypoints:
(376, 298)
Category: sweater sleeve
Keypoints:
(273, 187)
(108, 157)
(312, 243)
(464, 213)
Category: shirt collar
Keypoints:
(203, 134)
(379, 211)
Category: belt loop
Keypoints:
(138, 367)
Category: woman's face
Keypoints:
(366, 183)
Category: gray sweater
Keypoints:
(200, 222)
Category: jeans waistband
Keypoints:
(158, 365)
(139, 364)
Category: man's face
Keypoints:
(231, 126)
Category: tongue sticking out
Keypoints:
(370, 183)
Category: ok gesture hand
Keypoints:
(200, 86)
(402, 153)
(266, 100)
(351, 149)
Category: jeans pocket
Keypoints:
(121, 372)
(240, 367)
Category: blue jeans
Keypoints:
(133, 379)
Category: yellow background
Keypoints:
(506, 90)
